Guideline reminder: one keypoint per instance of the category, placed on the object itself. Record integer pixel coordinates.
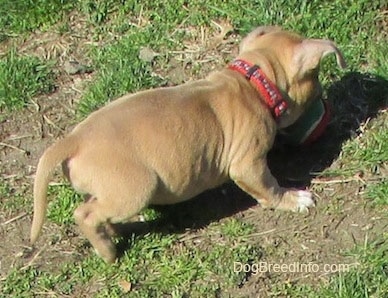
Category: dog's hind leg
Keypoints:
(93, 226)
(111, 206)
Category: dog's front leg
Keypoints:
(255, 178)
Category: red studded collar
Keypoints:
(270, 92)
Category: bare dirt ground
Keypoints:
(341, 220)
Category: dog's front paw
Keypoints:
(298, 200)
(304, 200)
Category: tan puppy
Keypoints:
(167, 145)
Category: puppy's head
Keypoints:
(292, 63)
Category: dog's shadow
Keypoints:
(354, 99)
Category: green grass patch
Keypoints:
(369, 151)
(22, 16)
(62, 203)
(120, 72)
(22, 78)
(21, 282)
(378, 193)
(369, 279)
(234, 228)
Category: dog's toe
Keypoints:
(304, 200)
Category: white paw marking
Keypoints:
(304, 201)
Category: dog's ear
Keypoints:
(259, 31)
(310, 52)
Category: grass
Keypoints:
(378, 193)
(370, 277)
(21, 16)
(370, 150)
(22, 78)
(58, 209)
(170, 263)
(120, 72)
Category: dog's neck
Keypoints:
(271, 94)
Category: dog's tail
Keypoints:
(55, 154)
